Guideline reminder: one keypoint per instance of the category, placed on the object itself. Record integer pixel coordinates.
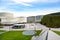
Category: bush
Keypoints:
(51, 20)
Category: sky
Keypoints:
(29, 7)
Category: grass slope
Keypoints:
(57, 32)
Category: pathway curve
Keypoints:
(47, 35)
(53, 36)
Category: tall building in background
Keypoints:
(20, 20)
(31, 19)
(38, 18)
(34, 19)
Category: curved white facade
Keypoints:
(6, 17)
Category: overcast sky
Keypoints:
(29, 7)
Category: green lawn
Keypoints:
(17, 35)
(38, 32)
(57, 32)
(2, 31)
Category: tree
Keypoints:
(31, 21)
(51, 20)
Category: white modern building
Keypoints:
(20, 20)
(6, 18)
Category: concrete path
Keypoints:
(53, 36)
(42, 36)
(47, 35)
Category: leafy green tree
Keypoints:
(31, 21)
(51, 20)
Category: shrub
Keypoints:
(51, 20)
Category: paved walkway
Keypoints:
(53, 36)
(47, 35)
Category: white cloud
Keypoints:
(25, 2)
(36, 12)
(29, 1)
(49, 1)
(18, 1)
(3, 8)
(33, 13)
